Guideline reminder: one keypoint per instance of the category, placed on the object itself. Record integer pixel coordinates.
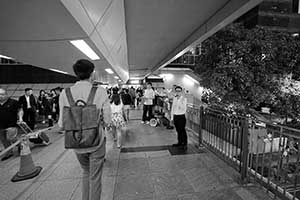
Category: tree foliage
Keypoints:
(244, 66)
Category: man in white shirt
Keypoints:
(149, 95)
(178, 111)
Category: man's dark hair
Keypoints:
(178, 87)
(115, 90)
(28, 89)
(115, 98)
(58, 89)
(149, 83)
(83, 69)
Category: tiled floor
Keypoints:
(141, 174)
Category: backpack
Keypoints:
(81, 122)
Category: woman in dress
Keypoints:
(118, 121)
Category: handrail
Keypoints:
(271, 154)
(24, 136)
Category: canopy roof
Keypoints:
(133, 37)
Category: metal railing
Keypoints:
(222, 134)
(186, 59)
(20, 138)
(268, 155)
(273, 159)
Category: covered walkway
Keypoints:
(145, 168)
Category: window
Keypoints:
(296, 6)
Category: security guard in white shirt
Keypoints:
(178, 111)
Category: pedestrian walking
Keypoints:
(92, 152)
(118, 122)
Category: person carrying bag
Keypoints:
(81, 122)
(84, 109)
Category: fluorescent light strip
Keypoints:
(116, 77)
(6, 57)
(108, 70)
(59, 71)
(85, 48)
(135, 78)
(191, 78)
(167, 76)
(154, 77)
(134, 81)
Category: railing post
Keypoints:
(201, 123)
(244, 149)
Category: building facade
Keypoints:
(281, 15)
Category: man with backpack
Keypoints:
(84, 109)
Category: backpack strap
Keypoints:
(92, 95)
(70, 97)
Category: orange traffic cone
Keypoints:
(27, 168)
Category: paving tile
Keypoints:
(171, 183)
(188, 162)
(133, 166)
(19, 190)
(66, 171)
(7, 173)
(135, 187)
(202, 180)
(155, 154)
(190, 196)
(219, 195)
(55, 190)
(163, 164)
(132, 155)
(163, 197)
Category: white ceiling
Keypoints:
(134, 37)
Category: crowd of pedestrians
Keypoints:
(26, 109)
(103, 109)
(48, 105)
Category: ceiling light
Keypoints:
(191, 78)
(166, 76)
(135, 78)
(134, 81)
(85, 48)
(116, 77)
(6, 57)
(154, 77)
(295, 34)
(108, 70)
(59, 71)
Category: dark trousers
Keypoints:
(3, 138)
(147, 110)
(29, 117)
(179, 123)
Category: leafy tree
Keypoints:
(243, 67)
